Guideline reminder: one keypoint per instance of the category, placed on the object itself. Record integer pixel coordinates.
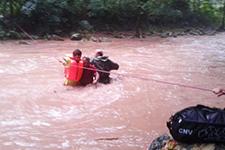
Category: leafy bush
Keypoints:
(49, 16)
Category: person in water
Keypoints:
(90, 75)
(104, 66)
(73, 68)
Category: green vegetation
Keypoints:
(43, 17)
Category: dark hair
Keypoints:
(86, 59)
(77, 52)
(99, 53)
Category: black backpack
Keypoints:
(198, 124)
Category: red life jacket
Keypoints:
(74, 71)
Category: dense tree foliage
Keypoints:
(53, 16)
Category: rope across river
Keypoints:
(150, 79)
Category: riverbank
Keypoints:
(154, 31)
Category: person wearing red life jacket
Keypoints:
(90, 75)
(73, 68)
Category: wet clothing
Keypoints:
(70, 82)
(88, 75)
(105, 64)
(73, 71)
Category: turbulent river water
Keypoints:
(38, 113)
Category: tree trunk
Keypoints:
(139, 21)
(4, 8)
(11, 7)
(223, 21)
(222, 28)
(138, 32)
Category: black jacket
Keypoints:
(105, 64)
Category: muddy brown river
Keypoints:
(38, 113)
